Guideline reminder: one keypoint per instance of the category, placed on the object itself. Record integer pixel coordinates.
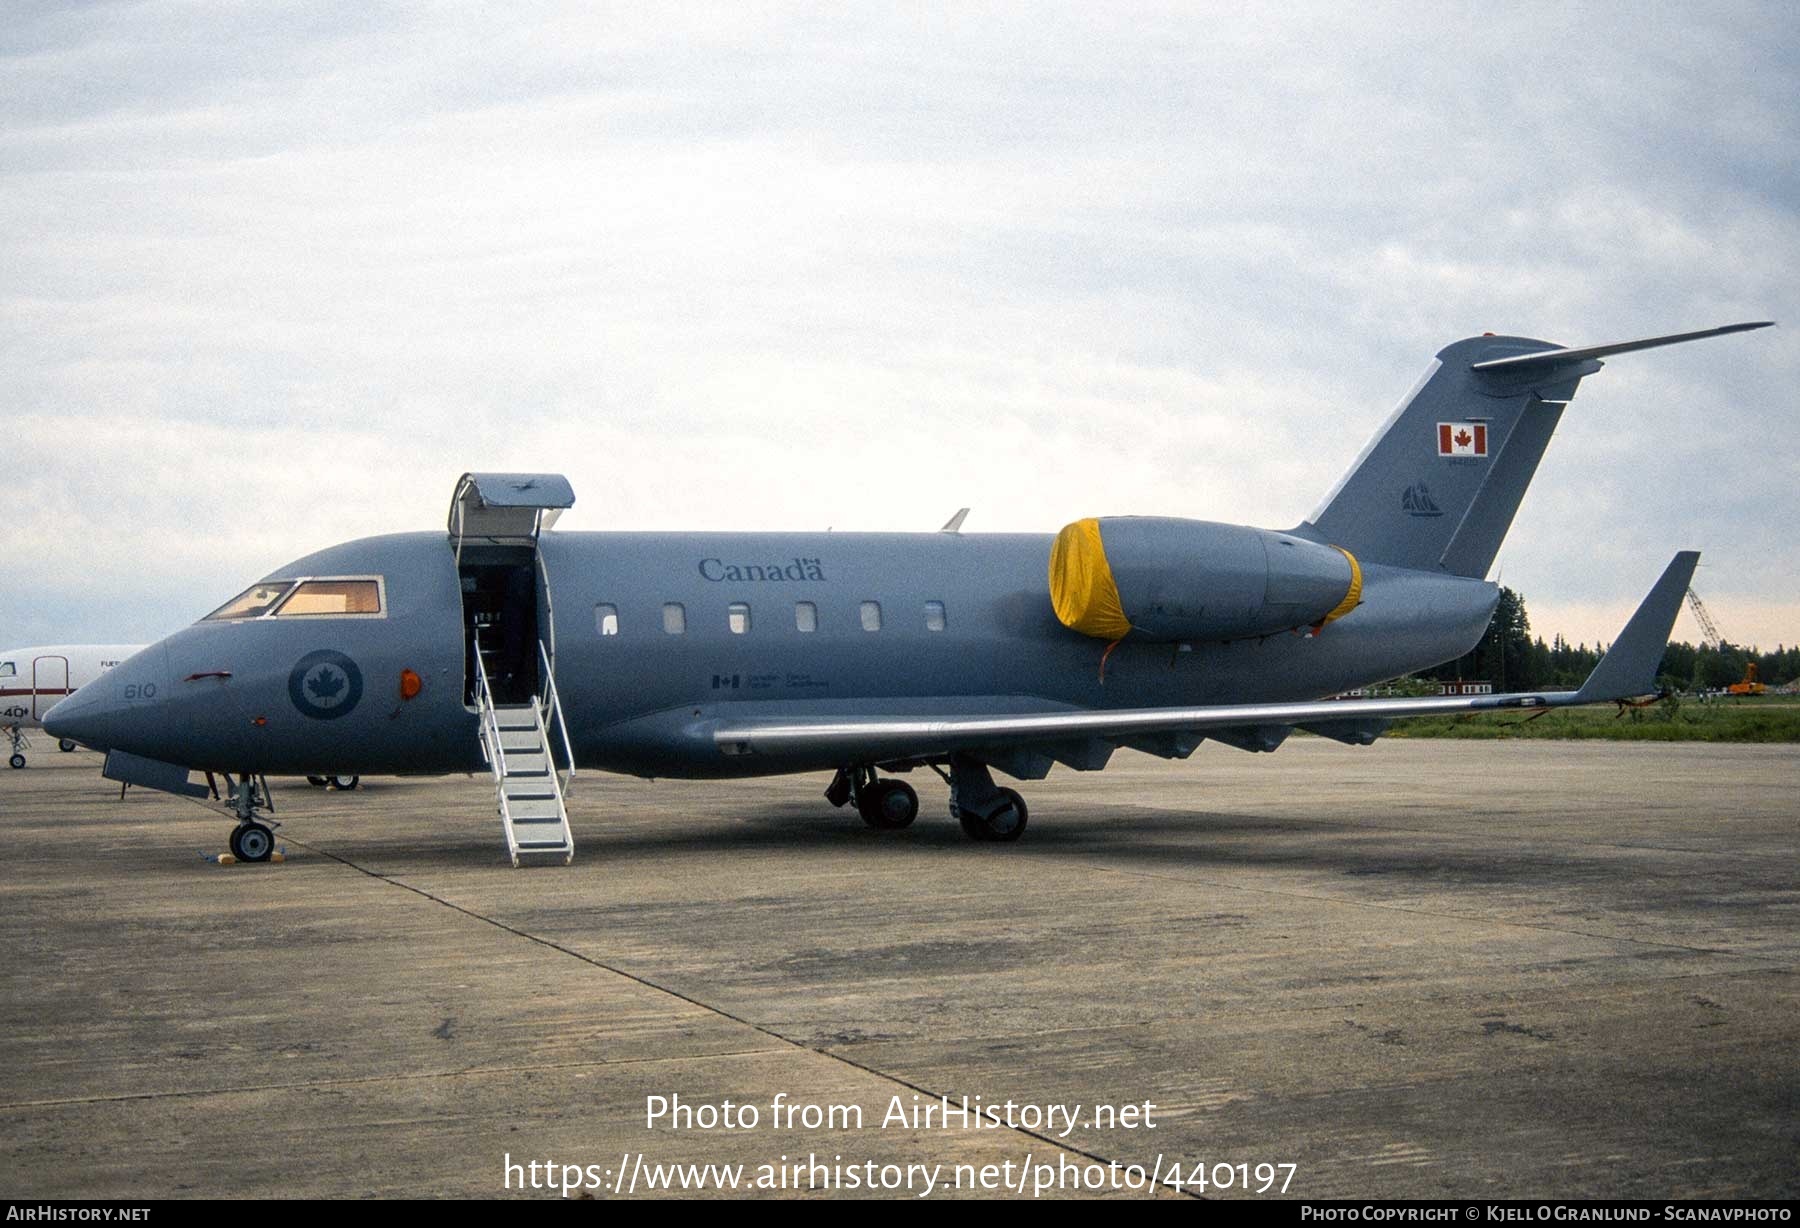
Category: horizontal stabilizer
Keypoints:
(1543, 360)
(1629, 666)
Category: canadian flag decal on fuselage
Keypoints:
(1462, 439)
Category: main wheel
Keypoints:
(318, 782)
(17, 761)
(1005, 824)
(65, 745)
(342, 782)
(252, 842)
(888, 805)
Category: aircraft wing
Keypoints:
(1627, 670)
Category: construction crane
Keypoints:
(1751, 684)
(1708, 628)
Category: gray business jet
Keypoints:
(499, 645)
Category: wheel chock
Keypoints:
(230, 859)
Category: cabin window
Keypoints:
(934, 616)
(323, 598)
(806, 616)
(675, 618)
(871, 616)
(606, 619)
(253, 602)
(739, 617)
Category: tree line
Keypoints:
(1510, 658)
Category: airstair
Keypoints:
(531, 787)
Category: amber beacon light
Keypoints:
(410, 684)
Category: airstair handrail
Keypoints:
(552, 706)
(490, 720)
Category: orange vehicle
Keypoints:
(1751, 685)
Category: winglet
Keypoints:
(1629, 666)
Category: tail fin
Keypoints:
(1438, 486)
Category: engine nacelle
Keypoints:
(1161, 579)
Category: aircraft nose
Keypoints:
(116, 709)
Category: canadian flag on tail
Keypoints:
(1462, 439)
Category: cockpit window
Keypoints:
(315, 598)
(6, 669)
(304, 599)
(253, 602)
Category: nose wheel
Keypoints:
(17, 737)
(251, 839)
(252, 842)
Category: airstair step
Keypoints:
(534, 809)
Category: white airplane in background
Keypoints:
(34, 680)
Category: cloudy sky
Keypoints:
(274, 276)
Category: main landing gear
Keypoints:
(986, 811)
(251, 839)
(886, 805)
(333, 782)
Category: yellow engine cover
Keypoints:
(1082, 588)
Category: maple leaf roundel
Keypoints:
(325, 684)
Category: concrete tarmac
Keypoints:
(1422, 970)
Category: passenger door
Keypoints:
(49, 683)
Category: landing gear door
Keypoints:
(506, 509)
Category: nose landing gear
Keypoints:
(20, 743)
(252, 839)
